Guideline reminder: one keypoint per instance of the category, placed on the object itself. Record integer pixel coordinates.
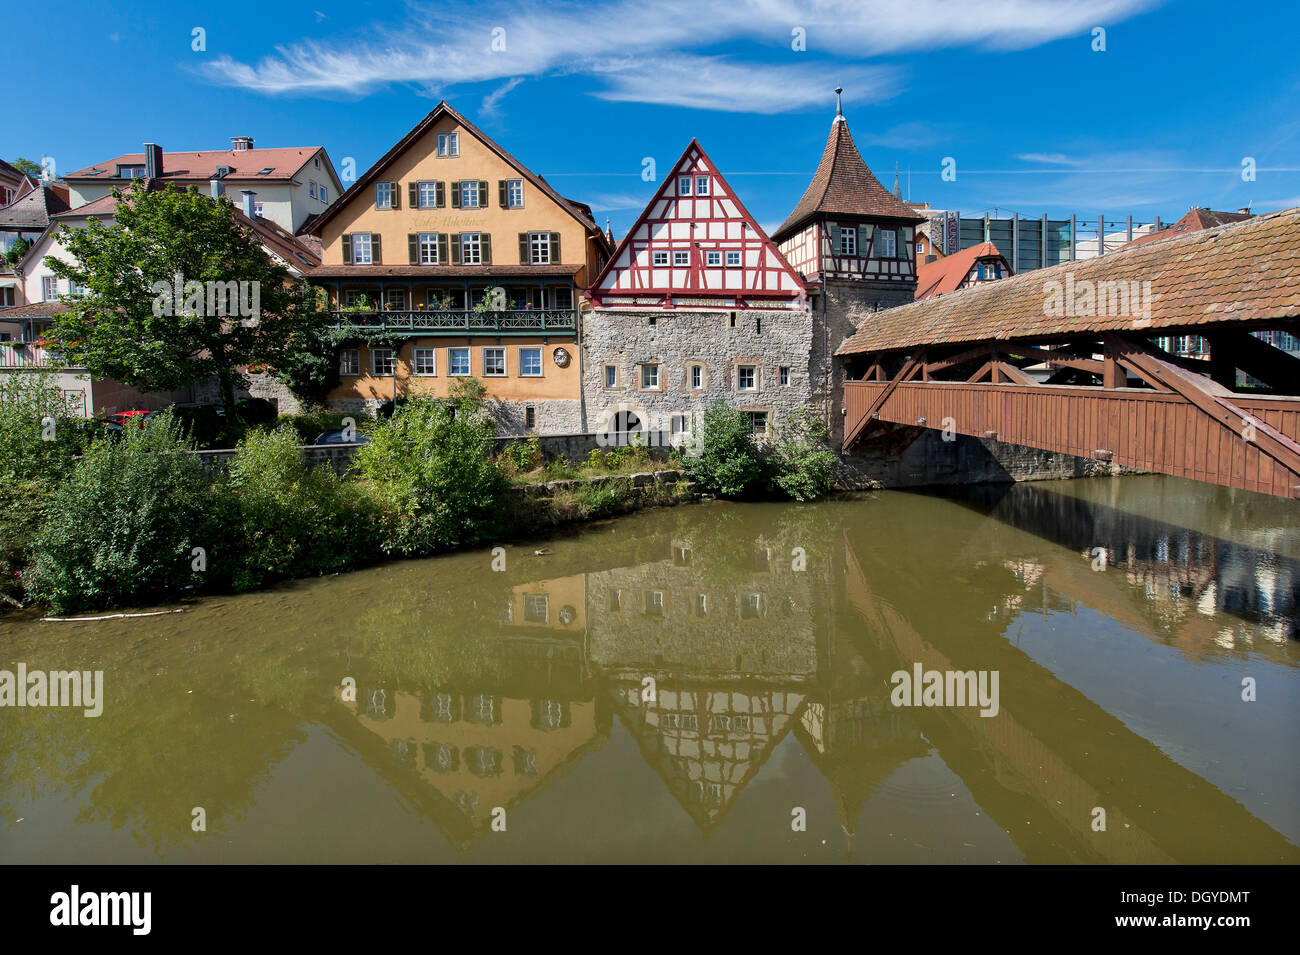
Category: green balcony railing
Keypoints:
(452, 321)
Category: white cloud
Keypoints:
(1053, 159)
(491, 105)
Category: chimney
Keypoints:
(153, 160)
(931, 258)
(218, 188)
(241, 144)
(1245, 211)
(248, 195)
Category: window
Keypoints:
(751, 605)
(713, 258)
(888, 243)
(514, 194)
(494, 362)
(690, 722)
(668, 721)
(539, 248)
(740, 723)
(530, 417)
(428, 247)
(383, 195)
(426, 195)
(322, 196)
(721, 723)
(701, 605)
(654, 602)
(650, 376)
(747, 378)
(697, 377)
(449, 144)
(382, 362)
(425, 362)
(130, 172)
(681, 258)
(469, 198)
(311, 188)
(350, 361)
(701, 185)
(361, 248)
(75, 287)
(733, 259)
(678, 424)
(537, 608)
(611, 376)
(459, 361)
(471, 248)
(683, 185)
(848, 240)
(784, 373)
(49, 288)
(530, 362)
(257, 209)
(661, 258)
(758, 422)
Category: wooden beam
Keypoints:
(910, 367)
(1012, 373)
(984, 369)
(1276, 368)
(981, 350)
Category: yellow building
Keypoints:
(448, 258)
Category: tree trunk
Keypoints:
(228, 396)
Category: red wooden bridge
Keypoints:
(1069, 359)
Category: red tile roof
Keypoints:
(843, 185)
(1242, 272)
(945, 275)
(32, 211)
(283, 161)
(1193, 221)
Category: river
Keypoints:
(708, 683)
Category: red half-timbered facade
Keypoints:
(695, 246)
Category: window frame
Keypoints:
(688, 181)
(350, 358)
(783, 376)
(539, 248)
(848, 241)
(893, 252)
(374, 362)
(357, 242)
(504, 368)
(452, 354)
(425, 241)
(611, 376)
(646, 370)
(478, 200)
(739, 257)
(704, 181)
(752, 371)
(424, 351)
(655, 256)
(529, 350)
(679, 254)
(420, 189)
(448, 145)
(511, 184)
(472, 240)
(386, 188)
(694, 372)
(713, 258)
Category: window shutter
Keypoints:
(442, 248)
(439, 194)
(485, 243)
(501, 194)
(864, 238)
(455, 249)
(483, 193)
(347, 249)
(835, 238)
(395, 190)
(875, 241)
(413, 243)
(415, 195)
(375, 257)
(523, 248)
(455, 195)
(555, 247)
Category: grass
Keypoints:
(524, 466)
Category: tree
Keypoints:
(177, 290)
(729, 462)
(801, 465)
(27, 167)
(17, 251)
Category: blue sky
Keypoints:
(1035, 118)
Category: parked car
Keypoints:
(336, 437)
(118, 421)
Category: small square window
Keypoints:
(611, 376)
(494, 362)
(425, 362)
(383, 362)
(650, 377)
(733, 259)
(530, 362)
(459, 361)
(678, 424)
(784, 373)
(747, 378)
(660, 258)
(449, 144)
(758, 422)
(701, 185)
(713, 258)
(683, 185)
(681, 259)
(350, 361)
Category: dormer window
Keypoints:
(130, 172)
(267, 171)
(683, 185)
(223, 172)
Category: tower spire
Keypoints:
(898, 193)
(839, 108)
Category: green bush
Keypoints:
(523, 456)
(431, 470)
(312, 423)
(22, 509)
(39, 433)
(729, 462)
(123, 525)
(800, 466)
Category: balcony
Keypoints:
(538, 321)
(15, 355)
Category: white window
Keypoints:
(721, 723)
(75, 287)
(361, 248)
(539, 248)
(383, 195)
(382, 362)
(740, 723)
(426, 194)
(733, 259)
(49, 288)
(459, 361)
(425, 361)
(747, 378)
(650, 376)
(681, 258)
(701, 185)
(469, 194)
(683, 185)
(668, 721)
(713, 258)
(697, 377)
(350, 361)
(311, 188)
(514, 193)
(395, 299)
(661, 258)
(848, 240)
(257, 209)
(701, 605)
(471, 248)
(449, 144)
(758, 422)
(678, 424)
(751, 605)
(654, 602)
(888, 243)
(428, 242)
(323, 197)
(690, 722)
(494, 362)
(784, 373)
(530, 362)
(611, 376)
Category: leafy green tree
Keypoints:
(17, 251)
(158, 311)
(27, 167)
(729, 462)
(801, 466)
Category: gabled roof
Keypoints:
(32, 211)
(1241, 272)
(843, 185)
(1194, 220)
(285, 162)
(575, 209)
(945, 275)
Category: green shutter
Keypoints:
(347, 249)
(375, 255)
(413, 243)
(415, 195)
(442, 248)
(502, 196)
(555, 247)
(875, 241)
(455, 249)
(523, 248)
(835, 238)
(864, 237)
(395, 190)
(483, 193)
(439, 194)
(485, 243)
(455, 195)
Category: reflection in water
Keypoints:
(676, 675)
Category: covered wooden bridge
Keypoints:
(1090, 359)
